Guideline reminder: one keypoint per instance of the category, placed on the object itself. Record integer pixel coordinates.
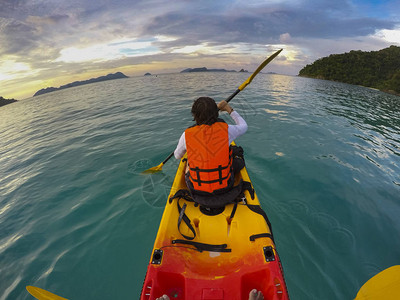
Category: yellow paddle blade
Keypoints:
(154, 169)
(266, 62)
(385, 285)
(159, 167)
(42, 294)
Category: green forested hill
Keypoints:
(376, 69)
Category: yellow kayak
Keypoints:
(202, 254)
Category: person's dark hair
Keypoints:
(205, 111)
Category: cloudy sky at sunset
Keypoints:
(52, 42)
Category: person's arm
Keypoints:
(236, 130)
(181, 147)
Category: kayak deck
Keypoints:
(232, 252)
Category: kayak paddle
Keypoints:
(250, 79)
(159, 167)
(384, 285)
(240, 88)
(42, 294)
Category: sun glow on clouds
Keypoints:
(113, 50)
(204, 48)
(11, 69)
(289, 55)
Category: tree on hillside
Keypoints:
(377, 69)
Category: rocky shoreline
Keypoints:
(4, 101)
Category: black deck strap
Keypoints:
(204, 247)
(260, 235)
(247, 186)
(237, 151)
(257, 209)
(233, 210)
(185, 218)
(183, 193)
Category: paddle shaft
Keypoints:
(232, 96)
(167, 159)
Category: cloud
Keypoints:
(392, 36)
(110, 51)
(47, 20)
(17, 68)
(16, 37)
(265, 26)
(57, 38)
(285, 38)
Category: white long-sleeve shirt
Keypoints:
(234, 131)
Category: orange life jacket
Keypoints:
(209, 157)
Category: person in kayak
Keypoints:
(211, 161)
(254, 295)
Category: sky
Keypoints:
(54, 42)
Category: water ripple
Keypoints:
(75, 211)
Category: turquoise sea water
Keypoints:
(77, 218)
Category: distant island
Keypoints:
(147, 74)
(4, 101)
(204, 69)
(117, 75)
(375, 69)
